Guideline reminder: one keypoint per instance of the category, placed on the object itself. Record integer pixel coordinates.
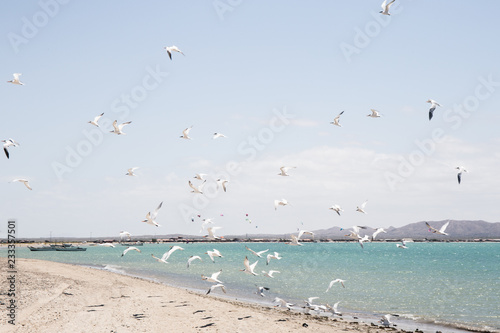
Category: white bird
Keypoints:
(378, 231)
(270, 256)
(270, 273)
(223, 183)
(402, 245)
(130, 172)
(282, 202)
(336, 208)
(211, 233)
(386, 320)
(284, 170)
(197, 189)
(16, 79)
(185, 133)
(258, 254)
(9, 143)
(130, 248)
(374, 114)
(218, 135)
(25, 181)
(334, 309)
(204, 223)
(172, 249)
(117, 129)
(440, 231)
(191, 259)
(336, 120)
(213, 278)
(385, 7)
(283, 303)
(309, 302)
(214, 253)
(249, 269)
(433, 107)
(219, 285)
(459, 175)
(107, 245)
(365, 238)
(200, 176)
(96, 119)
(171, 49)
(260, 290)
(295, 241)
(302, 232)
(125, 234)
(159, 259)
(333, 282)
(151, 218)
(361, 208)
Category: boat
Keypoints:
(70, 248)
(53, 247)
(42, 248)
(132, 244)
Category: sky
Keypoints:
(270, 76)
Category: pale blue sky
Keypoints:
(242, 67)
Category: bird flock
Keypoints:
(197, 187)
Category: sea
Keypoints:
(432, 286)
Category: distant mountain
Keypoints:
(418, 230)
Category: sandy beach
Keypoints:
(55, 297)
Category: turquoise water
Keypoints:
(446, 284)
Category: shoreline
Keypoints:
(72, 274)
(72, 298)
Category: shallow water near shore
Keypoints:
(431, 286)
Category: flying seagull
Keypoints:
(130, 248)
(125, 234)
(260, 290)
(16, 79)
(284, 171)
(151, 218)
(336, 208)
(440, 231)
(336, 120)
(96, 119)
(197, 189)
(218, 135)
(378, 231)
(270, 256)
(374, 114)
(191, 259)
(25, 181)
(361, 208)
(281, 202)
(333, 282)
(270, 273)
(8, 143)
(219, 285)
(249, 269)
(171, 49)
(433, 107)
(213, 278)
(130, 172)
(385, 7)
(402, 245)
(185, 133)
(214, 253)
(117, 129)
(223, 183)
(258, 254)
(460, 170)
